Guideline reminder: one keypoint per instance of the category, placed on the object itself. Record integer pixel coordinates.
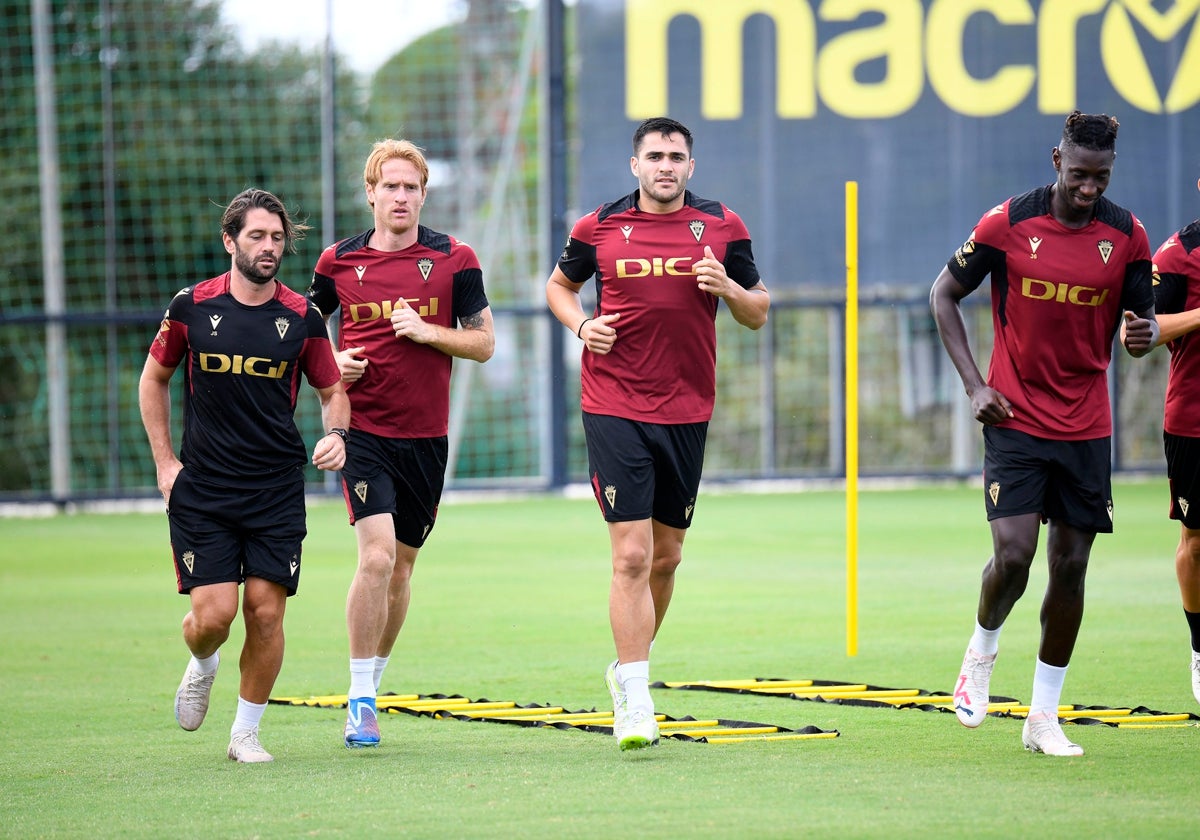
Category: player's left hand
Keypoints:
(1139, 334)
(711, 276)
(407, 323)
(329, 453)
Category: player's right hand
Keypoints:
(597, 335)
(352, 369)
(990, 406)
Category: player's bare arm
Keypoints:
(749, 307)
(1173, 325)
(598, 334)
(988, 405)
(329, 453)
(154, 400)
(475, 340)
(1139, 332)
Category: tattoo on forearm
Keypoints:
(473, 322)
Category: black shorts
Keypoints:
(400, 476)
(1064, 480)
(1183, 475)
(225, 535)
(645, 470)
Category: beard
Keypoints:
(250, 270)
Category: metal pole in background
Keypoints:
(53, 284)
(556, 116)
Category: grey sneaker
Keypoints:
(245, 749)
(1042, 734)
(640, 731)
(619, 699)
(1196, 676)
(191, 698)
(971, 691)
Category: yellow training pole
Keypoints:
(851, 418)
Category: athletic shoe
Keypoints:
(1196, 676)
(971, 692)
(619, 699)
(1042, 734)
(191, 698)
(640, 730)
(245, 749)
(362, 725)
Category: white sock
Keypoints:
(248, 716)
(1047, 688)
(362, 677)
(380, 663)
(207, 665)
(985, 642)
(634, 677)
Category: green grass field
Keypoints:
(510, 603)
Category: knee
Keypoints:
(263, 618)
(376, 561)
(210, 620)
(666, 564)
(631, 561)
(1189, 548)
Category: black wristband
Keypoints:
(579, 332)
(339, 432)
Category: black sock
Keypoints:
(1193, 620)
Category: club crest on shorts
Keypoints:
(189, 560)
(994, 492)
(610, 493)
(360, 490)
(1183, 505)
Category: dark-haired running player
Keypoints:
(411, 300)
(1066, 266)
(235, 494)
(1177, 302)
(662, 259)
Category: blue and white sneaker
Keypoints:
(362, 724)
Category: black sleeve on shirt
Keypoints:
(1137, 295)
(578, 261)
(469, 297)
(1170, 293)
(739, 264)
(323, 294)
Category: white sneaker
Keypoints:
(1043, 734)
(1196, 676)
(640, 730)
(971, 691)
(191, 698)
(619, 698)
(245, 749)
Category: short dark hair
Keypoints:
(661, 125)
(234, 218)
(1090, 131)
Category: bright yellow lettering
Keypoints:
(897, 40)
(948, 76)
(1058, 58)
(721, 32)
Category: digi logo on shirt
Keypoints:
(238, 365)
(370, 311)
(1062, 292)
(657, 267)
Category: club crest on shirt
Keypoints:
(1183, 505)
(425, 265)
(360, 490)
(697, 228)
(281, 326)
(994, 492)
(189, 560)
(610, 493)
(1105, 247)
